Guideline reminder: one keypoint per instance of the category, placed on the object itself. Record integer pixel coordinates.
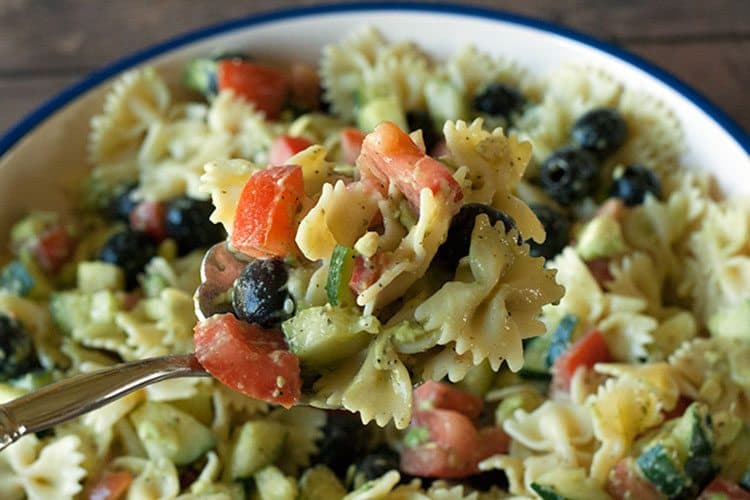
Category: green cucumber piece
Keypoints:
(339, 274)
(547, 492)
(200, 75)
(662, 470)
(561, 338)
(381, 109)
(321, 336)
(272, 484)
(445, 102)
(320, 482)
(167, 432)
(257, 445)
(22, 277)
(535, 358)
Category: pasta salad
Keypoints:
(436, 280)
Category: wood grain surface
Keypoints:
(47, 44)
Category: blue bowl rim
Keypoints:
(36, 117)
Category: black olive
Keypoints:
(484, 481)
(187, 222)
(421, 120)
(344, 441)
(377, 463)
(17, 352)
(634, 183)
(260, 294)
(122, 203)
(499, 100)
(557, 227)
(130, 250)
(601, 131)
(458, 241)
(569, 174)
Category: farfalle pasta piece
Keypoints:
(224, 181)
(376, 489)
(42, 470)
(490, 312)
(494, 165)
(621, 410)
(137, 99)
(469, 70)
(376, 384)
(304, 430)
(152, 479)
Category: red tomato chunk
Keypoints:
(586, 352)
(433, 394)
(285, 147)
(249, 359)
(265, 87)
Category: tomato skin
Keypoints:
(366, 272)
(149, 217)
(53, 248)
(434, 394)
(265, 87)
(679, 408)
(624, 482)
(264, 224)
(586, 351)
(390, 156)
(599, 269)
(729, 489)
(455, 447)
(351, 144)
(111, 486)
(286, 146)
(249, 359)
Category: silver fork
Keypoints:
(72, 397)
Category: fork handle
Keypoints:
(72, 397)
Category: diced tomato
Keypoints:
(679, 409)
(111, 486)
(613, 207)
(53, 248)
(265, 87)
(625, 482)
(285, 147)
(585, 352)
(723, 488)
(264, 224)
(454, 448)
(433, 394)
(351, 144)
(600, 270)
(149, 217)
(305, 86)
(366, 272)
(248, 358)
(390, 156)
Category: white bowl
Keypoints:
(42, 155)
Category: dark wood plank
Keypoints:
(44, 35)
(719, 70)
(19, 96)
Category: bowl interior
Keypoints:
(40, 169)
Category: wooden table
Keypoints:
(47, 44)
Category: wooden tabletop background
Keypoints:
(47, 44)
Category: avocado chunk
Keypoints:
(258, 444)
(601, 237)
(445, 102)
(167, 432)
(321, 336)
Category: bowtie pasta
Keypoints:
(479, 282)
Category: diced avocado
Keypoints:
(677, 460)
(731, 322)
(95, 276)
(200, 75)
(22, 277)
(601, 237)
(478, 379)
(339, 274)
(320, 482)
(167, 432)
(561, 338)
(272, 484)
(445, 102)
(323, 335)
(257, 444)
(83, 315)
(380, 109)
